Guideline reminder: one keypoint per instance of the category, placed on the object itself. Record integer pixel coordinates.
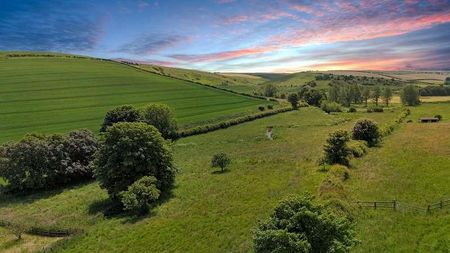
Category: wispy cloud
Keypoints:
(152, 43)
(63, 28)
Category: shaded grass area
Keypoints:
(208, 212)
(58, 94)
(28, 243)
(412, 166)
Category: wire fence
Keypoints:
(405, 207)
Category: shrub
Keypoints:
(366, 130)
(270, 90)
(283, 96)
(352, 109)
(375, 109)
(261, 108)
(439, 117)
(299, 224)
(311, 96)
(140, 194)
(336, 149)
(220, 160)
(17, 229)
(124, 113)
(357, 148)
(328, 107)
(47, 161)
(129, 152)
(270, 107)
(161, 117)
(293, 99)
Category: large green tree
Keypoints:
(410, 95)
(129, 152)
(161, 117)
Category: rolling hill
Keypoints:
(52, 93)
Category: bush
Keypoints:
(161, 117)
(261, 108)
(129, 152)
(270, 90)
(336, 149)
(17, 229)
(328, 107)
(352, 109)
(375, 109)
(358, 148)
(293, 99)
(368, 131)
(220, 160)
(439, 117)
(270, 107)
(299, 224)
(311, 96)
(124, 113)
(39, 162)
(140, 195)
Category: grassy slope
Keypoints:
(57, 94)
(237, 82)
(412, 166)
(29, 243)
(292, 82)
(209, 212)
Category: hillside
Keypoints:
(246, 83)
(56, 93)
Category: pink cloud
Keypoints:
(220, 56)
(235, 19)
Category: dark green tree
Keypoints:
(129, 152)
(124, 113)
(293, 99)
(410, 95)
(387, 95)
(300, 224)
(376, 94)
(270, 90)
(366, 130)
(220, 160)
(366, 94)
(336, 149)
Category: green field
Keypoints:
(246, 83)
(57, 94)
(208, 212)
(292, 82)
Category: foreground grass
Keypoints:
(209, 211)
(412, 166)
(58, 94)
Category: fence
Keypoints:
(400, 206)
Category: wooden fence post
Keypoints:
(375, 205)
(428, 209)
(441, 204)
(394, 203)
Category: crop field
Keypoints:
(293, 82)
(208, 212)
(246, 83)
(57, 94)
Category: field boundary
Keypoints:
(404, 207)
(47, 232)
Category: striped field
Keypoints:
(57, 94)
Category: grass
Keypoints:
(58, 94)
(28, 243)
(209, 212)
(246, 83)
(412, 166)
(293, 82)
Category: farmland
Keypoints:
(57, 94)
(211, 212)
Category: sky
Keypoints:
(238, 35)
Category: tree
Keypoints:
(300, 224)
(376, 94)
(140, 195)
(410, 95)
(447, 81)
(270, 90)
(366, 94)
(333, 93)
(129, 152)
(220, 160)
(336, 149)
(346, 96)
(312, 97)
(161, 117)
(124, 113)
(293, 99)
(366, 130)
(17, 229)
(387, 95)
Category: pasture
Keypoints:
(209, 211)
(57, 94)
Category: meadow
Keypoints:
(57, 94)
(209, 211)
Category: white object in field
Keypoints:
(269, 133)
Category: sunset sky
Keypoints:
(238, 35)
